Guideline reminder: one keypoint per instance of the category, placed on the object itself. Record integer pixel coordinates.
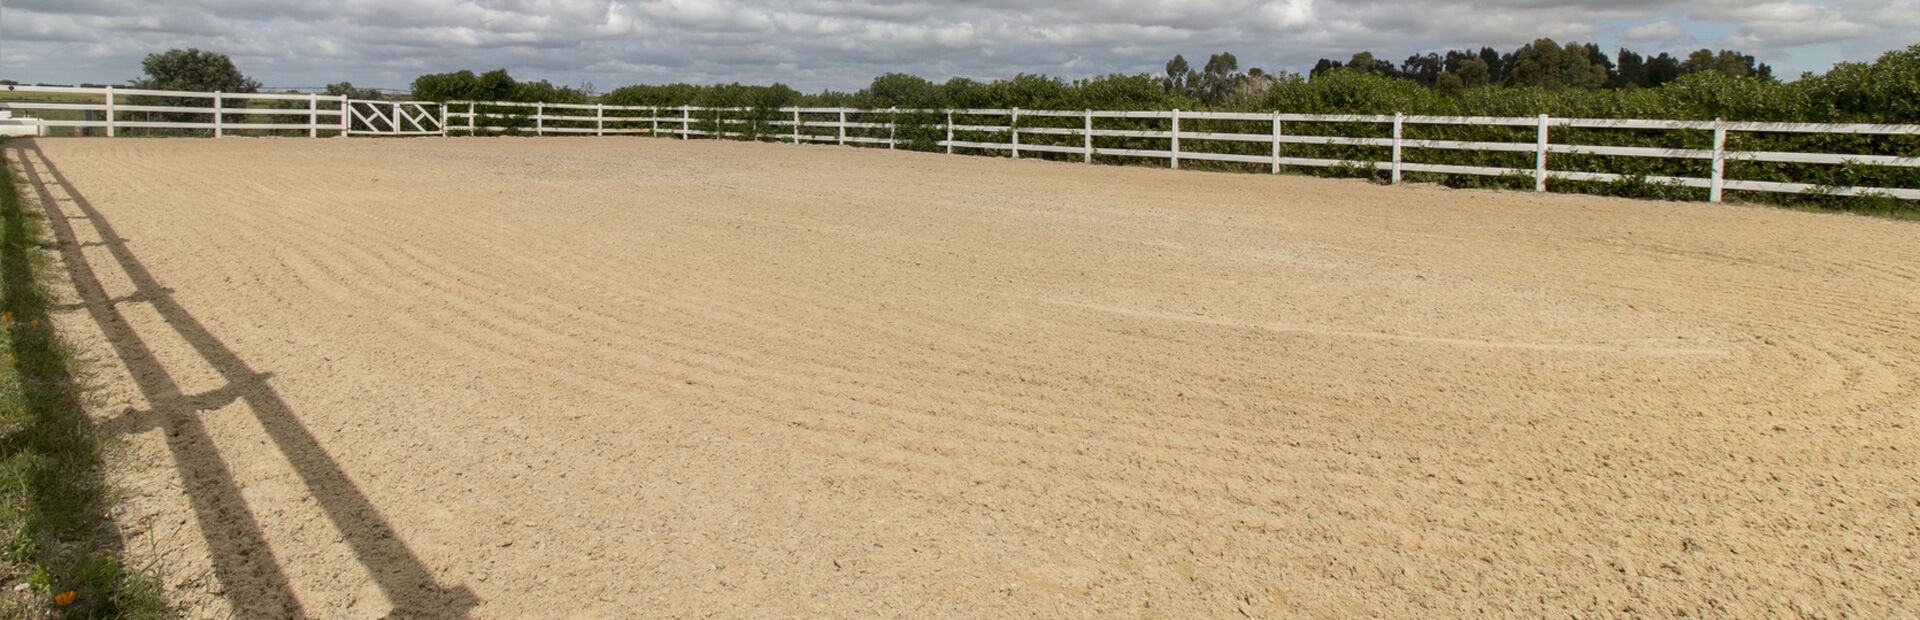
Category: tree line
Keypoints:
(1545, 63)
(1542, 77)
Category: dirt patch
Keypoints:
(617, 377)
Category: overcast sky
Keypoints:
(841, 44)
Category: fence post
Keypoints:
(1540, 158)
(718, 129)
(796, 124)
(346, 116)
(1276, 142)
(686, 121)
(1719, 181)
(893, 125)
(473, 118)
(949, 132)
(843, 126)
(443, 119)
(109, 111)
(653, 115)
(219, 123)
(313, 115)
(599, 120)
(539, 118)
(1087, 133)
(1013, 128)
(1176, 138)
(1398, 120)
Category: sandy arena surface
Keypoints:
(630, 377)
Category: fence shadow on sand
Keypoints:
(253, 580)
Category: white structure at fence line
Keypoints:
(413, 118)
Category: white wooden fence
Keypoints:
(118, 109)
(1002, 131)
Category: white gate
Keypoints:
(394, 118)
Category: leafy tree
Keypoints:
(1029, 90)
(1256, 82)
(1708, 95)
(1631, 72)
(1364, 62)
(900, 90)
(1220, 80)
(494, 85)
(1884, 91)
(1728, 62)
(962, 92)
(462, 84)
(737, 95)
(1546, 64)
(1120, 92)
(1219, 83)
(663, 95)
(1325, 66)
(1180, 77)
(1474, 73)
(1350, 92)
(346, 88)
(1636, 71)
(189, 70)
(1598, 58)
(1423, 69)
(1497, 64)
(546, 92)
(1661, 69)
(1470, 73)
(193, 70)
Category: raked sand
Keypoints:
(636, 377)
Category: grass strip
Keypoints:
(59, 551)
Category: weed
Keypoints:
(55, 536)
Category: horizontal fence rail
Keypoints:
(115, 110)
(1393, 144)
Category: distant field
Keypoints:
(673, 378)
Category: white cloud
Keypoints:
(1657, 31)
(1291, 15)
(1749, 11)
(1770, 35)
(1774, 26)
(1901, 13)
(841, 44)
